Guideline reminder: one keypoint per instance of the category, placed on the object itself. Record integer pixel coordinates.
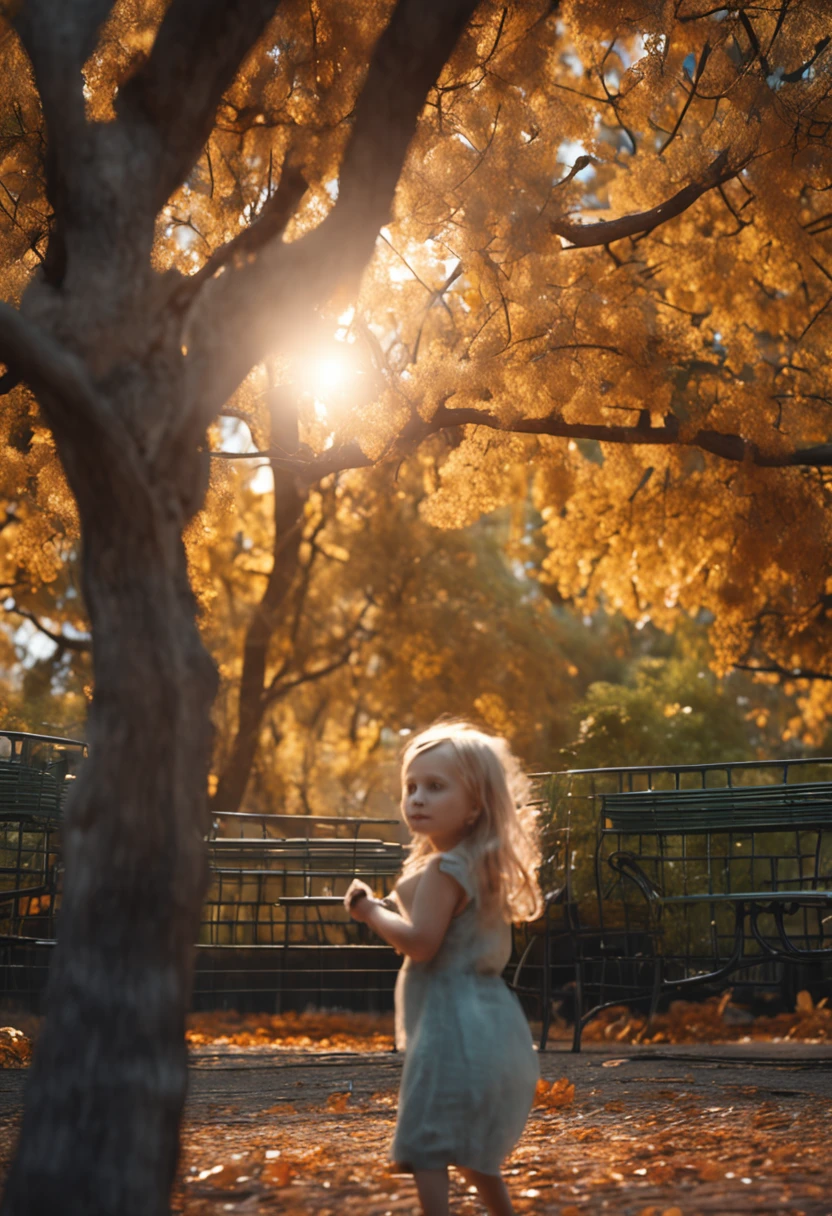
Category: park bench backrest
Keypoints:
(801, 806)
(250, 876)
(728, 839)
(28, 791)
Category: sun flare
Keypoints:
(323, 376)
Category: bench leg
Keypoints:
(546, 991)
(657, 991)
(546, 1022)
(578, 1024)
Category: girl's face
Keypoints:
(435, 801)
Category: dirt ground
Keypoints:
(662, 1130)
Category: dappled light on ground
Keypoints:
(696, 1129)
(670, 1150)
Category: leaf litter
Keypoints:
(662, 1153)
(717, 1020)
(657, 1152)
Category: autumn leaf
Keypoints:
(15, 1048)
(804, 1002)
(555, 1095)
(276, 1173)
(223, 1176)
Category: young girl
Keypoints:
(470, 1070)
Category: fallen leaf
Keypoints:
(558, 1095)
(276, 1173)
(804, 1003)
(338, 1102)
(15, 1048)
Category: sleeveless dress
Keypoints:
(470, 1070)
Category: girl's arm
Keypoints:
(437, 898)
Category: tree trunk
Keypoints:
(267, 617)
(107, 1085)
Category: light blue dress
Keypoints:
(470, 1070)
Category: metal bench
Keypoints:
(36, 772)
(273, 931)
(701, 873)
(289, 890)
(785, 831)
(273, 925)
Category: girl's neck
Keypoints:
(443, 843)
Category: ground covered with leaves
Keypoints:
(718, 1020)
(295, 1114)
(637, 1134)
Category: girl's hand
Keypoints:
(358, 900)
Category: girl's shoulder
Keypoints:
(457, 864)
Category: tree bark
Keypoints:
(129, 385)
(107, 1085)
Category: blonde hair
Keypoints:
(502, 844)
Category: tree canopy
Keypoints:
(609, 237)
(569, 253)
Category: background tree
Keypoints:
(184, 185)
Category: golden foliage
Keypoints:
(714, 322)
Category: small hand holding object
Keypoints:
(358, 900)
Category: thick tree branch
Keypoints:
(582, 236)
(338, 458)
(61, 33)
(59, 37)
(31, 355)
(197, 52)
(234, 322)
(98, 451)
